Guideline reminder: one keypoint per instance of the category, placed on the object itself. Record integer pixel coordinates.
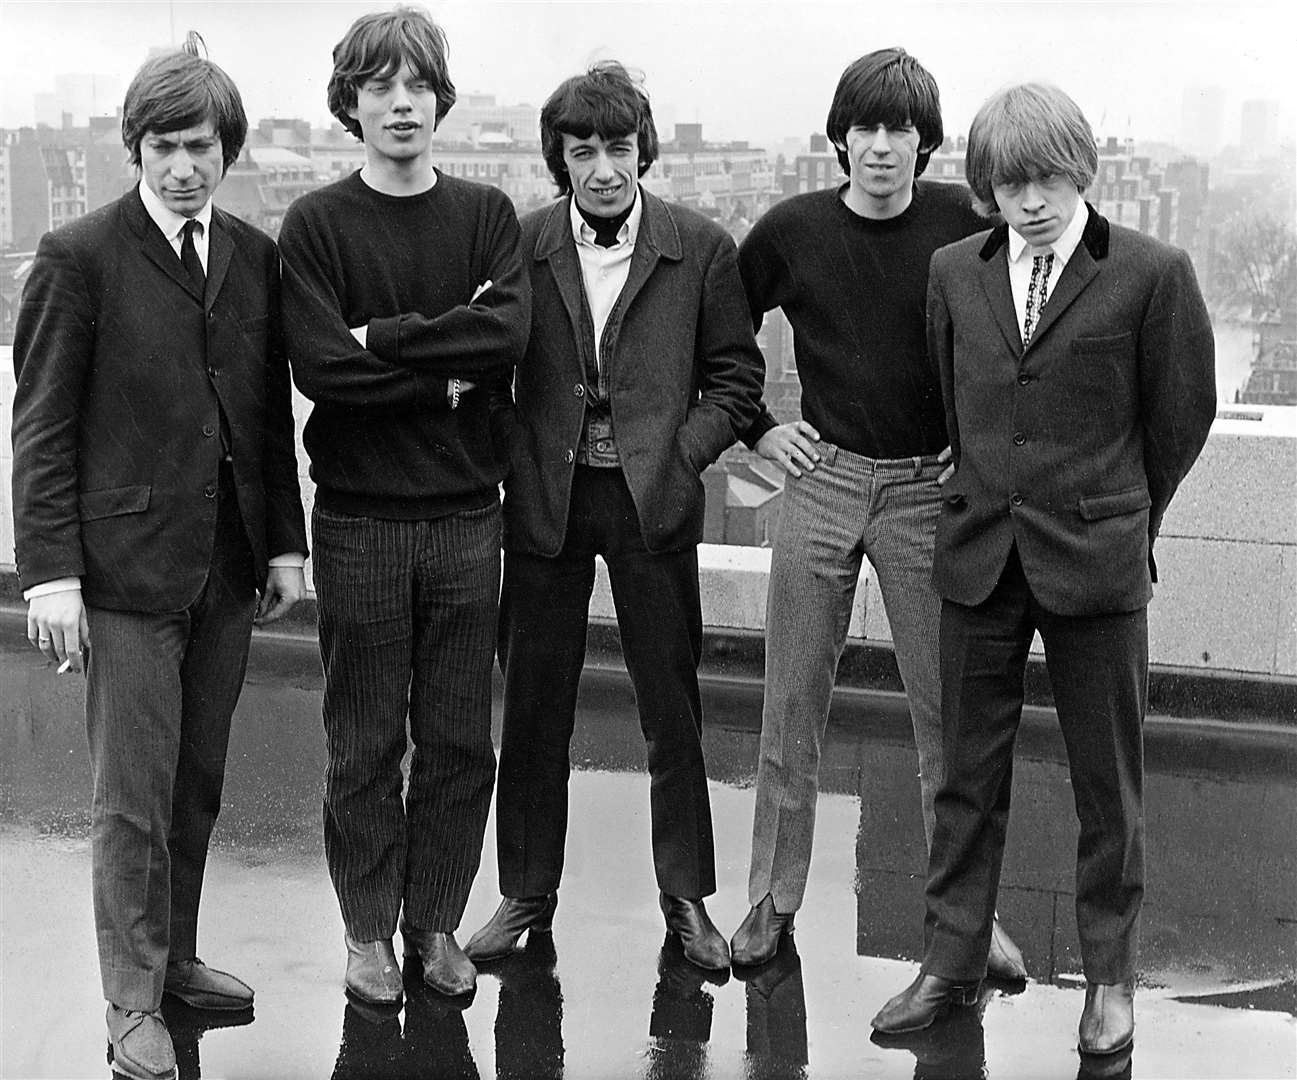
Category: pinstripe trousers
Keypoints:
(160, 692)
(849, 507)
(407, 614)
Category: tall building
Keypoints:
(1259, 129)
(1202, 119)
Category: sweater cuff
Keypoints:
(757, 429)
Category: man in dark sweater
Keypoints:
(640, 370)
(403, 297)
(849, 268)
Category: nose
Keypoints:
(1032, 197)
(603, 169)
(182, 165)
(400, 98)
(878, 140)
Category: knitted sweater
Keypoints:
(382, 436)
(854, 290)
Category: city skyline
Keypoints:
(763, 72)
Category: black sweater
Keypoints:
(382, 438)
(855, 290)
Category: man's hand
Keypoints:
(792, 446)
(56, 624)
(949, 470)
(285, 585)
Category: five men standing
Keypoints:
(1034, 437)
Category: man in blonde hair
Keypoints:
(1077, 370)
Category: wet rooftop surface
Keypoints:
(609, 996)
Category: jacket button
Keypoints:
(579, 390)
(211, 315)
(210, 491)
(569, 455)
(1015, 499)
(1019, 438)
(208, 430)
(1023, 378)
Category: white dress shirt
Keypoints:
(604, 270)
(1021, 252)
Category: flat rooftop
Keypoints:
(610, 997)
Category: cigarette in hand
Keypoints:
(64, 667)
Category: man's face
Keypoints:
(396, 114)
(183, 168)
(1038, 210)
(604, 175)
(882, 165)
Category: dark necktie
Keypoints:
(1037, 293)
(189, 256)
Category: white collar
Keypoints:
(628, 232)
(167, 219)
(1063, 246)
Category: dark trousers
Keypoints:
(1098, 669)
(544, 610)
(407, 630)
(160, 691)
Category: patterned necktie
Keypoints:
(1037, 293)
(189, 256)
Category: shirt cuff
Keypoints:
(48, 588)
(294, 559)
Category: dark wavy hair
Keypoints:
(377, 45)
(891, 88)
(605, 101)
(1028, 132)
(181, 90)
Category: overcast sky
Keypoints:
(744, 68)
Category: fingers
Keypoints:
(272, 607)
(56, 625)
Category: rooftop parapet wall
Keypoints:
(1227, 557)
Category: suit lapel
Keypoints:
(220, 249)
(994, 275)
(1081, 269)
(153, 245)
(556, 246)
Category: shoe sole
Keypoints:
(204, 1004)
(119, 1069)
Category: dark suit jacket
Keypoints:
(120, 368)
(1073, 447)
(684, 370)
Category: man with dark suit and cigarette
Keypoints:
(155, 491)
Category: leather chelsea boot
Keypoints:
(445, 967)
(1108, 1019)
(514, 917)
(689, 921)
(372, 973)
(920, 1003)
(757, 938)
(1004, 959)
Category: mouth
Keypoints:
(403, 127)
(606, 192)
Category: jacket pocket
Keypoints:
(113, 502)
(1127, 501)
